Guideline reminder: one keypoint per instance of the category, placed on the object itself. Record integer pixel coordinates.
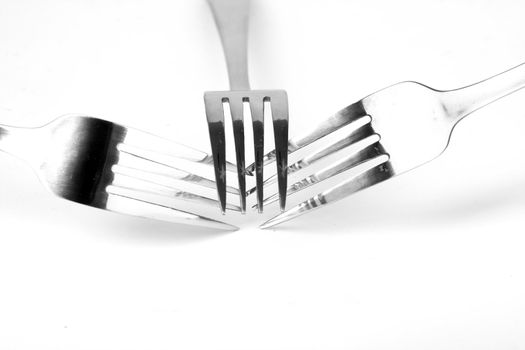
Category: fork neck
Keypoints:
(231, 18)
(461, 102)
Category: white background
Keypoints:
(433, 259)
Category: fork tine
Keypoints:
(208, 159)
(279, 107)
(152, 158)
(338, 120)
(192, 178)
(370, 152)
(161, 184)
(159, 145)
(361, 181)
(257, 111)
(215, 116)
(125, 201)
(355, 136)
(236, 108)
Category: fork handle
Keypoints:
(231, 18)
(462, 102)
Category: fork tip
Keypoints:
(283, 217)
(227, 227)
(219, 225)
(273, 222)
(268, 224)
(231, 228)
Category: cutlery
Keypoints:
(401, 127)
(108, 166)
(231, 18)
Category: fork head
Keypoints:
(105, 165)
(395, 130)
(215, 113)
(413, 121)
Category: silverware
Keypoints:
(403, 127)
(108, 166)
(231, 18)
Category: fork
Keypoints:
(401, 127)
(231, 18)
(108, 166)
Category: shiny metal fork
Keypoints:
(231, 18)
(401, 127)
(108, 166)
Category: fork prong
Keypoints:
(279, 106)
(209, 160)
(364, 155)
(151, 159)
(161, 184)
(257, 111)
(215, 116)
(236, 108)
(126, 202)
(192, 178)
(354, 137)
(338, 120)
(161, 146)
(361, 181)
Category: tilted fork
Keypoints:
(105, 165)
(231, 18)
(402, 127)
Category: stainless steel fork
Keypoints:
(231, 18)
(401, 127)
(108, 166)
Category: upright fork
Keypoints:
(108, 166)
(231, 18)
(399, 128)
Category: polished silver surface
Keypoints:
(231, 18)
(108, 166)
(407, 125)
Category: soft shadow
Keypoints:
(140, 230)
(385, 207)
(57, 214)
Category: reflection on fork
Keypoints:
(401, 127)
(108, 166)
